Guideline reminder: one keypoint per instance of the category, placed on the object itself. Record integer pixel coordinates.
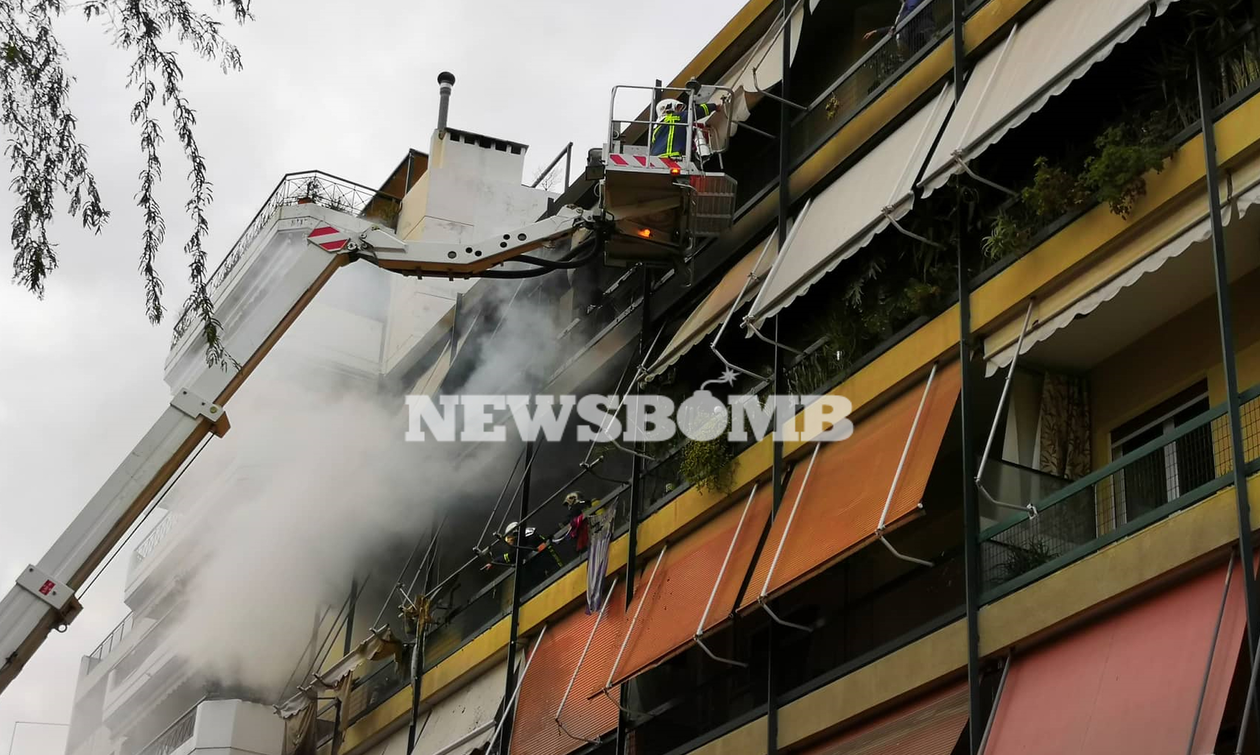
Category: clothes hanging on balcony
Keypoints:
(299, 732)
(600, 524)
(1064, 426)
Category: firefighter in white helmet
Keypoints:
(669, 130)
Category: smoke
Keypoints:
(315, 486)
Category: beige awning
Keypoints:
(1165, 241)
(866, 199)
(737, 287)
(1039, 59)
(431, 381)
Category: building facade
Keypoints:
(1032, 273)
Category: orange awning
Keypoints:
(698, 581)
(587, 714)
(928, 726)
(835, 500)
(1129, 682)
(709, 315)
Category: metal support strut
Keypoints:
(647, 590)
(997, 419)
(778, 551)
(582, 659)
(511, 703)
(892, 490)
(717, 583)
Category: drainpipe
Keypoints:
(1224, 308)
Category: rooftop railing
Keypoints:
(307, 187)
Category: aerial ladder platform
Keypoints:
(649, 210)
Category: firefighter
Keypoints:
(579, 531)
(669, 131)
(910, 36)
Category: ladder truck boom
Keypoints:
(649, 210)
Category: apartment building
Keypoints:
(1015, 250)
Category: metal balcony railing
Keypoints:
(151, 541)
(307, 187)
(111, 641)
(1169, 473)
(175, 735)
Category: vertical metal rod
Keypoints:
(636, 492)
(997, 699)
(514, 624)
(1207, 671)
(1229, 365)
(347, 643)
(785, 209)
(971, 505)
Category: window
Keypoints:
(1165, 474)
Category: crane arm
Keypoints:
(264, 292)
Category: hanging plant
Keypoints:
(708, 465)
(1117, 174)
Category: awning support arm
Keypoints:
(887, 213)
(511, 706)
(997, 699)
(785, 244)
(778, 551)
(576, 669)
(713, 345)
(647, 591)
(787, 19)
(962, 164)
(892, 489)
(997, 417)
(773, 342)
(704, 618)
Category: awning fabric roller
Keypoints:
(1039, 59)
(875, 192)
(1131, 681)
(839, 506)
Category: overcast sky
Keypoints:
(341, 87)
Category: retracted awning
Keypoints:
(737, 287)
(430, 383)
(873, 194)
(930, 725)
(1168, 240)
(1040, 58)
(696, 586)
(1132, 681)
(460, 723)
(561, 706)
(836, 500)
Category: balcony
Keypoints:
(111, 642)
(1151, 482)
(227, 727)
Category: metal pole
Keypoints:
(971, 504)
(514, 631)
(636, 504)
(776, 474)
(1225, 310)
(347, 643)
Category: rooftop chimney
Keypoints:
(446, 80)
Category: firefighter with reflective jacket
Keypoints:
(514, 542)
(669, 131)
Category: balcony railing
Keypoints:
(308, 187)
(175, 735)
(151, 541)
(1169, 473)
(111, 641)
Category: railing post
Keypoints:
(514, 624)
(1224, 310)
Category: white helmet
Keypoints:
(667, 106)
